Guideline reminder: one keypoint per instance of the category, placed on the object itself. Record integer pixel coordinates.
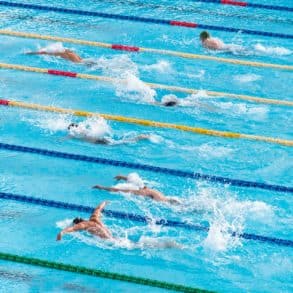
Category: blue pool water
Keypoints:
(213, 260)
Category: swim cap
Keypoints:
(77, 220)
(204, 35)
(170, 104)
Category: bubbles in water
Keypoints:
(245, 78)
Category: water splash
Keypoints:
(161, 66)
(53, 48)
(267, 50)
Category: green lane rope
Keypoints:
(99, 273)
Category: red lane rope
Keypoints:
(125, 48)
(236, 3)
(62, 73)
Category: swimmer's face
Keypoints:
(77, 221)
(72, 125)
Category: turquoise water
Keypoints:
(212, 261)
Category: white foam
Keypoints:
(118, 66)
(134, 178)
(133, 182)
(128, 85)
(54, 48)
(257, 113)
(64, 223)
(154, 138)
(158, 243)
(210, 151)
(161, 66)
(189, 101)
(91, 128)
(217, 239)
(226, 214)
(267, 50)
(245, 78)
(53, 123)
(133, 88)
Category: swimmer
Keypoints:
(211, 43)
(58, 50)
(172, 101)
(75, 131)
(140, 191)
(218, 45)
(94, 225)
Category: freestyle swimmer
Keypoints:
(94, 225)
(140, 190)
(76, 131)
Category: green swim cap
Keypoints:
(204, 35)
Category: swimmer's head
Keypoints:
(77, 221)
(170, 104)
(72, 125)
(204, 35)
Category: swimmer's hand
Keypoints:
(97, 186)
(59, 236)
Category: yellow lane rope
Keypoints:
(149, 50)
(150, 123)
(157, 86)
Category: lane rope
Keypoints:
(145, 167)
(247, 4)
(143, 49)
(152, 85)
(143, 19)
(148, 123)
(138, 218)
(99, 273)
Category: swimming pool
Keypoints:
(212, 260)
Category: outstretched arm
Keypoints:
(120, 177)
(99, 209)
(77, 227)
(113, 189)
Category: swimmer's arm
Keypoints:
(77, 227)
(43, 53)
(113, 189)
(120, 177)
(99, 209)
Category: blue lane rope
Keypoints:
(252, 5)
(141, 19)
(173, 172)
(137, 218)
